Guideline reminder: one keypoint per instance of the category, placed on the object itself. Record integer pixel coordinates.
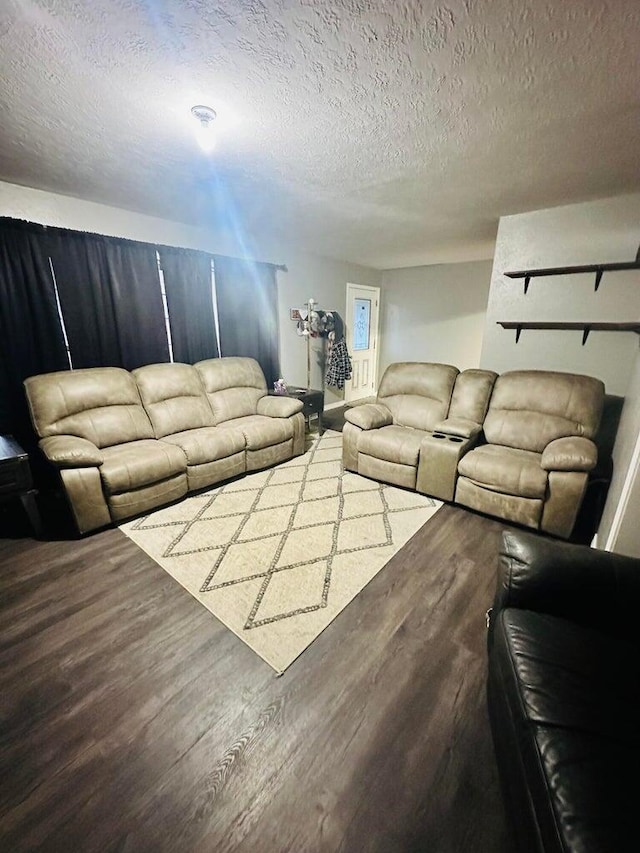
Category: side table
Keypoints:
(312, 403)
(16, 480)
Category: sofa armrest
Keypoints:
(278, 407)
(70, 451)
(573, 453)
(596, 589)
(462, 427)
(369, 416)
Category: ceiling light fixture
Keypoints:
(205, 133)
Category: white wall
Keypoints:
(325, 281)
(434, 313)
(594, 232)
(66, 212)
(309, 275)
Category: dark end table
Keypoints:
(16, 480)
(312, 403)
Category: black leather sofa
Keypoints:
(564, 694)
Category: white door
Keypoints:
(362, 341)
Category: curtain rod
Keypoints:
(25, 223)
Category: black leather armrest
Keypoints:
(597, 589)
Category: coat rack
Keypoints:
(305, 329)
(314, 323)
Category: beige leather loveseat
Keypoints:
(125, 443)
(518, 446)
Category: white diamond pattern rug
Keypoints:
(276, 555)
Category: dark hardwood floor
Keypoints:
(133, 721)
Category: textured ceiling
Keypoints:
(386, 133)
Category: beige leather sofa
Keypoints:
(518, 446)
(126, 443)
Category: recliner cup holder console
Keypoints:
(455, 438)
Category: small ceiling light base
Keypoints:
(205, 133)
(202, 113)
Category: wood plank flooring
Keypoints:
(131, 720)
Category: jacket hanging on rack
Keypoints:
(339, 364)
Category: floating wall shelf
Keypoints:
(598, 269)
(585, 328)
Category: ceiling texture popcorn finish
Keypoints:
(382, 132)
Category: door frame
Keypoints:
(619, 516)
(375, 297)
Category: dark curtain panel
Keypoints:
(187, 282)
(247, 298)
(6, 409)
(31, 339)
(111, 301)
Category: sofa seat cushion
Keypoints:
(260, 431)
(140, 463)
(394, 443)
(568, 676)
(573, 695)
(505, 469)
(207, 444)
(594, 788)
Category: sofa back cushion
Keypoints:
(174, 397)
(417, 394)
(471, 394)
(101, 404)
(530, 408)
(233, 385)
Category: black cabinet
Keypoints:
(16, 480)
(312, 403)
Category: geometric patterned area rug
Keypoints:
(278, 554)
